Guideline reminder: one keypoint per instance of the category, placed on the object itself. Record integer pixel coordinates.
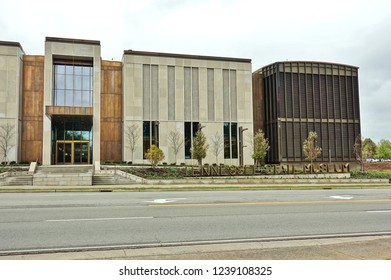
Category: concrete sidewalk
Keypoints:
(349, 248)
(187, 187)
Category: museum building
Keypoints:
(292, 98)
(69, 106)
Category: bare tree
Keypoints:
(7, 132)
(132, 134)
(217, 145)
(310, 149)
(175, 139)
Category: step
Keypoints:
(64, 169)
(111, 180)
(25, 180)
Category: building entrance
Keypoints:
(72, 140)
(72, 152)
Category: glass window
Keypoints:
(60, 69)
(60, 82)
(227, 148)
(78, 85)
(85, 135)
(146, 137)
(86, 102)
(78, 70)
(191, 129)
(69, 69)
(77, 98)
(230, 140)
(59, 98)
(234, 140)
(87, 71)
(69, 82)
(187, 139)
(86, 83)
(68, 98)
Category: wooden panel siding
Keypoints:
(258, 106)
(32, 108)
(111, 112)
(64, 110)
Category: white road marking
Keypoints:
(341, 197)
(379, 211)
(164, 200)
(98, 219)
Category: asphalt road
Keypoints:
(43, 222)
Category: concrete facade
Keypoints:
(11, 59)
(202, 109)
(69, 49)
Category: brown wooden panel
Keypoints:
(111, 111)
(258, 107)
(73, 111)
(32, 108)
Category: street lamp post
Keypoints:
(157, 123)
(241, 146)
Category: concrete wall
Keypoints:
(11, 67)
(71, 48)
(133, 101)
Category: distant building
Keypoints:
(71, 107)
(295, 97)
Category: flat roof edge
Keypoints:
(308, 62)
(188, 56)
(72, 41)
(11, 44)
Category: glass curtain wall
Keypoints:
(73, 85)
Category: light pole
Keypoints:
(241, 146)
(156, 124)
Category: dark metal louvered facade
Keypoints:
(299, 97)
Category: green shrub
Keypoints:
(356, 174)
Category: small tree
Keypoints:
(261, 147)
(383, 149)
(175, 139)
(217, 145)
(199, 147)
(358, 151)
(368, 148)
(154, 155)
(7, 132)
(310, 149)
(132, 135)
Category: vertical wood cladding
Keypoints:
(258, 107)
(111, 111)
(32, 108)
(310, 96)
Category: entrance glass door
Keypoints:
(72, 152)
(81, 152)
(72, 140)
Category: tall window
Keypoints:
(191, 129)
(150, 135)
(230, 140)
(72, 85)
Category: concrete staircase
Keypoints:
(110, 179)
(63, 175)
(18, 180)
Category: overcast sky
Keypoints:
(353, 32)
